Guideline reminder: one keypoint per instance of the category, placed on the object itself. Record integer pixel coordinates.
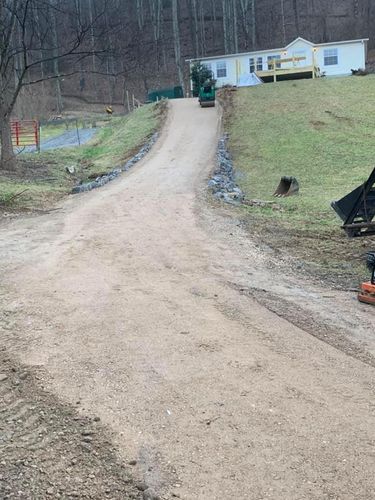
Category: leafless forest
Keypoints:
(95, 49)
(152, 38)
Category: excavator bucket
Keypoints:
(357, 209)
(288, 186)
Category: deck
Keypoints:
(289, 73)
(276, 72)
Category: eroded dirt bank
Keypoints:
(143, 303)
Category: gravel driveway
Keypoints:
(142, 302)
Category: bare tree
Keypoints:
(55, 54)
(296, 17)
(283, 23)
(214, 20)
(244, 16)
(156, 21)
(194, 11)
(177, 43)
(253, 24)
(140, 13)
(92, 33)
(203, 27)
(235, 26)
(225, 26)
(36, 47)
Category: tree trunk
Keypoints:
(56, 68)
(225, 27)
(194, 10)
(41, 53)
(177, 44)
(235, 27)
(296, 17)
(244, 8)
(140, 14)
(203, 29)
(283, 25)
(155, 15)
(8, 158)
(253, 24)
(213, 8)
(92, 34)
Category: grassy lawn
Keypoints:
(44, 175)
(57, 127)
(112, 145)
(323, 133)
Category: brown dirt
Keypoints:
(47, 450)
(317, 124)
(147, 305)
(330, 258)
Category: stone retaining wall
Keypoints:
(113, 174)
(222, 183)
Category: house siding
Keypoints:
(350, 55)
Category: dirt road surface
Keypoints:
(220, 374)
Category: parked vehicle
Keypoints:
(207, 95)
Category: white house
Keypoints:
(299, 59)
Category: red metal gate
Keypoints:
(25, 133)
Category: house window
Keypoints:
(260, 64)
(221, 69)
(271, 58)
(252, 64)
(331, 57)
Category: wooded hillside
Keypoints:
(156, 36)
(144, 43)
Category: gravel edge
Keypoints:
(222, 184)
(113, 174)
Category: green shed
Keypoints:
(168, 93)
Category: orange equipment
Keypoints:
(367, 292)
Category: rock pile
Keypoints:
(222, 183)
(113, 174)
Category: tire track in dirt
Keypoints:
(48, 451)
(309, 324)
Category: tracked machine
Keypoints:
(357, 211)
(207, 95)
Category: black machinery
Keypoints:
(357, 209)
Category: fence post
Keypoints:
(128, 100)
(37, 135)
(17, 133)
(78, 137)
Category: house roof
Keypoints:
(299, 39)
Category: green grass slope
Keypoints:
(320, 131)
(44, 175)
